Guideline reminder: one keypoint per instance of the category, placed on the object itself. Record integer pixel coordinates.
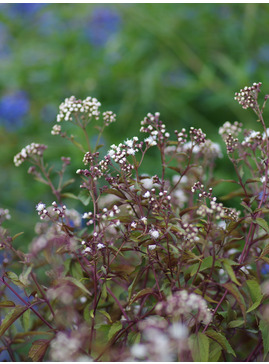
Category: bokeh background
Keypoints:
(183, 60)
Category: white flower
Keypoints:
(40, 207)
(100, 246)
(152, 246)
(146, 194)
(131, 151)
(178, 331)
(154, 234)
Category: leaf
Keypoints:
(135, 280)
(237, 295)
(235, 323)
(84, 197)
(15, 279)
(116, 327)
(140, 294)
(7, 304)
(38, 349)
(214, 351)
(206, 263)
(220, 339)
(106, 314)
(255, 293)
(77, 283)
(229, 270)
(199, 345)
(26, 320)
(69, 195)
(262, 223)
(264, 328)
(17, 235)
(115, 192)
(265, 251)
(11, 317)
(76, 270)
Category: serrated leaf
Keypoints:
(140, 294)
(77, 283)
(264, 328)
(255, 293)
(235, 323)
(262, 223)
(11, 317)
(220, 339)
(38, 349)
(199, 345)
(7, 304)
(237, 295)
(229, 270)
(116, 327)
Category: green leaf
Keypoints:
(86, 312)
(237, 295)
(255, 293)
(265, 251)
(77, 283)
(264, 328)
(134, 338)
(221, 340)
(206, 263)
(214, 351)
(116, 327)
(140, 294)
(26, 320)
(15, 279)
(11, 317)
(229, 270)
(84, 197)
(235, 323)
(76, 270)
(38, 349)
(25, 274)
(7, 304)
(262, 223)
(199, 345)
(106, 314)
(69, 195)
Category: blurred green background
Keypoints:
(183, 60)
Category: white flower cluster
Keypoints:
(64, 347)
(29, 151)
(230, 129)
(252, 137)
(4, 215)
(56, 129)
(161, 341)
(70, 106)
(109, 117)
(157, 130)
(41, 210)
(186, 306)
(219, 210)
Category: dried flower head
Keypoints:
(247, 97)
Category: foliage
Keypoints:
(155, 267)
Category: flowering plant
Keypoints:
(148, 267)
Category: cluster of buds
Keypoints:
(154, 126)
(73, 107)
(189, 307)
(59, 210)
(231, 144)
(158, 202)
(197, 136)
(247, 97)
(31, 150)
(56, 129)
(90, 158)
(109, 117)
(181, 136)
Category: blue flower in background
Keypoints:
(13, 108)
(265, 269)
(22, 9)
(104, 22)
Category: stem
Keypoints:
(27, 304)
(42, 293)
